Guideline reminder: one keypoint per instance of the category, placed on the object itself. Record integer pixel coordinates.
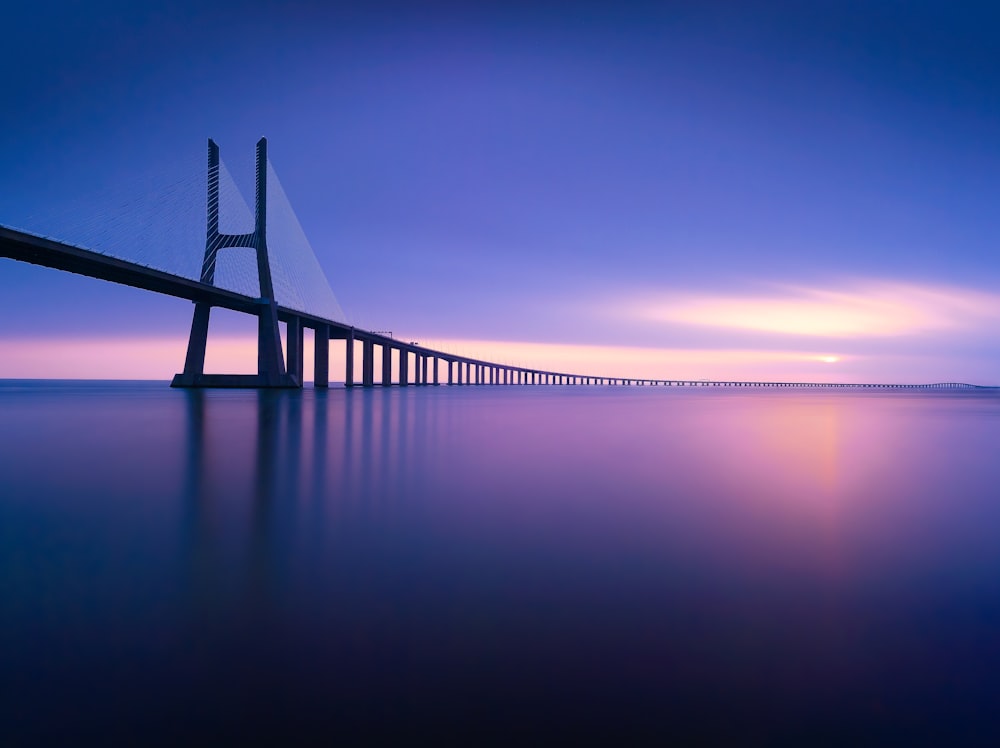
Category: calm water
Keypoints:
(802, 568)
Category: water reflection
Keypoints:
(694, 565)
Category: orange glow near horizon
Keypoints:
(161, 358)
(118, 358)
(867, 308)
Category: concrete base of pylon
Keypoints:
(235, 381)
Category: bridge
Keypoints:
(304, 300)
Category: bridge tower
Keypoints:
(270, 361)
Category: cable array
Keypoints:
(299, 281)
(159, 221)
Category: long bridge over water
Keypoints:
(284, 368)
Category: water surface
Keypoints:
(704, 565)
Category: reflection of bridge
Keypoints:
(278, 369)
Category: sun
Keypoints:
(829, 359)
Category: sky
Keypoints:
(733, 190)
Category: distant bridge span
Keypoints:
(285, 369)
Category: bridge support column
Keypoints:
(348, 357)
(296, 342)
(321, 357)
(367, 363)
(423, 370)
(451, 379)
(270, 363)
(194, 362)
(386, 365)
(404, 367)
(436, 362)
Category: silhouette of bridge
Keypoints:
(303, 300)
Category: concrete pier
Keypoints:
(348, 357)
(368, 363)
(386, 365)
(321, 357)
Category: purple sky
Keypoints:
(783, 190)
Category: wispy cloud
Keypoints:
(868, 308)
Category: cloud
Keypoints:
(655, 363)
(868, 308)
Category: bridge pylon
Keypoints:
(270, 361)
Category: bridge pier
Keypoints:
(194, 362)
(321, 357)
(367, 363)
(386, 365)
(294, 334)
(348, 356)
(404, 367)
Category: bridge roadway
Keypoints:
(25, 247)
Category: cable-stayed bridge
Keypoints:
(259, 262)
